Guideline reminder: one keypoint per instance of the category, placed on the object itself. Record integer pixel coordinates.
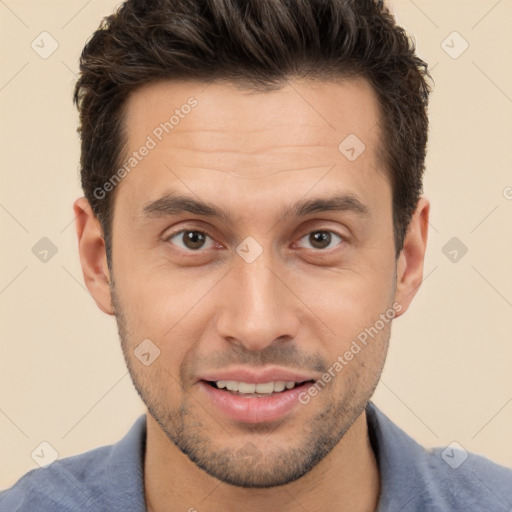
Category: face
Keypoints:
(250, 249)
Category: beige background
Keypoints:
(448, 376)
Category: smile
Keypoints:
(254, 403)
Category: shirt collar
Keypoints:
(125, 470)
(401, 460)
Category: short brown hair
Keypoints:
(258, 44)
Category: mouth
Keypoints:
(254, 403)
(261, 390)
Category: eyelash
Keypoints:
(204, 232)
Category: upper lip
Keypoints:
(257, 376)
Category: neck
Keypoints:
(347, 479)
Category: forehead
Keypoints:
(304, 107)
(228, 143)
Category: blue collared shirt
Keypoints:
(413, 479)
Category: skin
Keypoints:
(299, 305)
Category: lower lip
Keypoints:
(251, 409)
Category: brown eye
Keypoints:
(321, 239)
(190, 239)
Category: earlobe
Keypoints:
(409, 273)
(92, 252)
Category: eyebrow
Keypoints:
(175, 204)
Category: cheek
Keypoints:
(167, 307)
(347, 300)
(358, 360)
(154, 296)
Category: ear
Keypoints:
(93, 257)
(409, 273)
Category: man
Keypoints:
(253, 218)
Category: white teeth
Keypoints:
(280, 385)
(265, 388)
(231, 385)
(268, 387)
(244, 387)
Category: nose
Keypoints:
(258, 307)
